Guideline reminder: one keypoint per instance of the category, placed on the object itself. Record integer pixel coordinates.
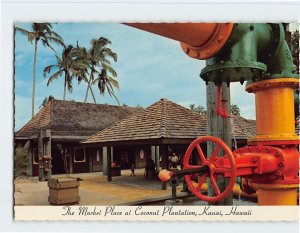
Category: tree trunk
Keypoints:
(65, 87)
(93, 94)
(34, 78)
(87, 91)
(218, 127)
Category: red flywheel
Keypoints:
(215, 171)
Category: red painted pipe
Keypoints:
(221, 108)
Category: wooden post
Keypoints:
(30, 157)
(48, 150)
(109, 177)
(40, 153)
(219, 127)
(157, 158)
(71, 160)
(90, 153)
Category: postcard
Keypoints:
(182, 115)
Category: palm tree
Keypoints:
(100, 66)
(72, 64)
(235, 110)
(199, 109)
(40, 32)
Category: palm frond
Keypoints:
(113, 82)
(112, 93)
(110, 69)
(54, 76)
(56, 40)
(30, 35)
(48, 69)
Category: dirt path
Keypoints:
(94, 189)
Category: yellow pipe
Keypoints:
(276, 194)
(274, 102)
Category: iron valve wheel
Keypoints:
(227, 170)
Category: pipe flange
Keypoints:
(212, 46)
(271, 83)
(234, 71)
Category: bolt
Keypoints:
(277, 154)
(220, 39)
(268, 150)
(281, 164)
(277, 173)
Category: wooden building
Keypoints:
(79, 136)
(57, 129)
(158, 130)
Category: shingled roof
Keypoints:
(164, 120)
(243, 128)
(70, 118)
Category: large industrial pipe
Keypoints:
(198, 40)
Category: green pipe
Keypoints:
(252, 53)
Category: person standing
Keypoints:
(174, 160)
(132, 170)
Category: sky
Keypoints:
(149, 67)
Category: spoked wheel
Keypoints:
(227, 169)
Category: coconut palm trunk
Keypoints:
(87, 91)
(65, 87)
(34, 78)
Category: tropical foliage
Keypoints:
(199, 109)
(235, 110)
(72, 64)
(40, 32)
(101, 72)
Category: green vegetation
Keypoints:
(92, 65)
(40, 32)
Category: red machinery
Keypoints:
(258, 54)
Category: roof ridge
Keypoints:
(80, 102)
